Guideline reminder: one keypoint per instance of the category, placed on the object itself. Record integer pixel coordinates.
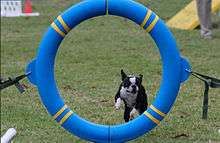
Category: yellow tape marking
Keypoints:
(151, 26)
(65, 26)
(146, 18)
(157, 111)
(60, 112)
(65, 117)
(56, 28)
(151, 117)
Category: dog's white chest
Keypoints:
(129, 98)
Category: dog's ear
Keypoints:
(123, 75)
(141, 77)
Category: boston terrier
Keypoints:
(132, 92)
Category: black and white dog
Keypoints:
(132, 92)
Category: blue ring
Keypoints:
(42, 69)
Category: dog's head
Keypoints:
(130, 84)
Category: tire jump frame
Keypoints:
(173, 65)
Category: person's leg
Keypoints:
(204, 13)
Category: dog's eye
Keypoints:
(125, 84)
(138, 81)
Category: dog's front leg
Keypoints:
(127, 113)
(117, 101)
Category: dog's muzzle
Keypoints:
(134, 89)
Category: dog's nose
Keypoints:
(134, 88)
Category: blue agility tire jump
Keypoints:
(42, 70)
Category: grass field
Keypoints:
(88, 68)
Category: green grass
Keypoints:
(88, 70)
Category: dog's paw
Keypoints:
(118, 104)
(133, 113)
(131, 118)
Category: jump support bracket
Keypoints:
(14, 81)
(209, 82)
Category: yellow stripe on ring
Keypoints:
(60, 112)
(56, 28)
(151, 26)
(65, 26)
(151, 117)
(146, 18)
(157, 111)
(65, 117)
